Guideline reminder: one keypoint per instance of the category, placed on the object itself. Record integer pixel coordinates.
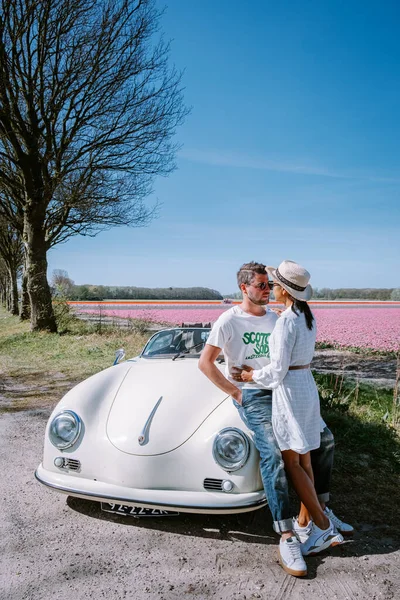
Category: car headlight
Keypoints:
(65, 429)
(231, 449)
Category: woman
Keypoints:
(296, 418)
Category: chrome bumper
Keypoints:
(181, 501)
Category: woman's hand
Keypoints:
(247, 373)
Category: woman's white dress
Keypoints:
(296, 417)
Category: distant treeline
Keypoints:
(63, 286)
(102, 292)
(356, 294)
(349, 294)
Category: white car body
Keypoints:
(147, 432)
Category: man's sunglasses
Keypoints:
(263, 285)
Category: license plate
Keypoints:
(136, 511)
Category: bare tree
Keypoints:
(88, 109)
(25, 310)
(12, 253)
(61, 283)
(4, 284)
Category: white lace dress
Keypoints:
(296, 416)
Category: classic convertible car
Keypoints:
(153, 436)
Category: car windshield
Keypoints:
(171, 342)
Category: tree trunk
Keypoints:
(25, 313)
(3, 295)
(8, 297)
(12, 274)
(42, 315)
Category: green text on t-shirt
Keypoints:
(260, 341)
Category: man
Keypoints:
(242, 333)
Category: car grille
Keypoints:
(71, 464)
(213, 484)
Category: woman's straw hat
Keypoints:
(293, 278)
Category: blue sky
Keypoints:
(291, 151)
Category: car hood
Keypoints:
(159, 406)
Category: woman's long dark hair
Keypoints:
(300, 305)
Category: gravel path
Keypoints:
(52, 548)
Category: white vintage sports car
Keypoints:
(152, 435)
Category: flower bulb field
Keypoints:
(369, 326)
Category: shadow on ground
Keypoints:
(365, 492)
(252, 528)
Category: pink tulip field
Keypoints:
(369, 328)
(357, 326)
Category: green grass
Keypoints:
(349, 396)
(363, 418)
(367, 450)
(365, 423)
(38, 368)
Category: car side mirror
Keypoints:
(119, 355)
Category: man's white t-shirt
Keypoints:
(244, 339)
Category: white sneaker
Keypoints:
(341, 526)
(302, 533)
(291, 558)
(320, 539)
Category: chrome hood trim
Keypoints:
(144, 436)
(153, 415)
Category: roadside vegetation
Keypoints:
(365, 419)
(37, 368)
(366, 423)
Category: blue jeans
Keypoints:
(256, 413)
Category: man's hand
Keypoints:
(210, 370)
(237, 396)
(236, 373)
(243, 373)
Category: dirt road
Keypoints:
(377, 370)
(54, 549)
